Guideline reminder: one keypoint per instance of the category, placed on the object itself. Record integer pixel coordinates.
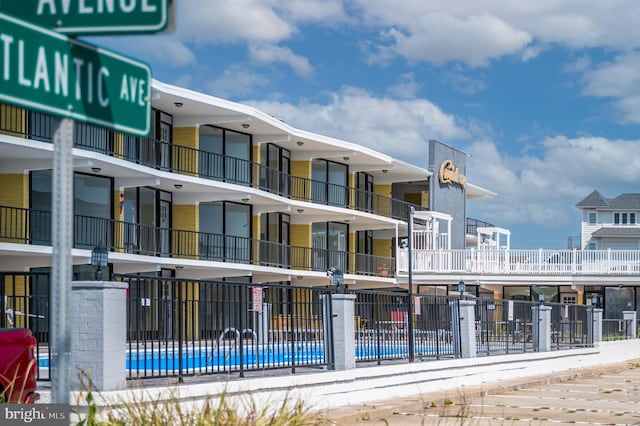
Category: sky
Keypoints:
(543, 96)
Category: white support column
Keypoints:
(632, 325)
(467, 331)
(343, 309)
(264, 319)
(595, 316)
(541, 328)
(98, 336)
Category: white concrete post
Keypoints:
(594, 318)
(541, 328)
(264, 324)
(343, 307)
(98, 335)
(467, 332)
(632, 326)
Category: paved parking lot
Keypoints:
(595, 396)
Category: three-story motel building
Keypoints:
(223, 191)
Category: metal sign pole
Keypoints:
(62, 238)
(410, 284)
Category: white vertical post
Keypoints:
(630, 319)
(61, 265)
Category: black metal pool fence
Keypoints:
(178, 327)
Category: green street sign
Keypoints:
(51, 73)
(77, 17)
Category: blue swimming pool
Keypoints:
(167, 359)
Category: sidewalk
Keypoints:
(600, 395)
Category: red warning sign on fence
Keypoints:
(257, 299)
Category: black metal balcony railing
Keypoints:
(28, 226)
(194, 162)
(474, 224)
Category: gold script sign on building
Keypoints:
(451, 174)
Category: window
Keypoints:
(624, 218)
(592, 218)
(275, 170)
(225, 155)
(364, 187)
(92, 205)
(616, 218)
(147, 216)
(225, 232)
(632, 218)
(154, 151)
(329, 183)
(591, 246)
(330, 242)
(274, 239)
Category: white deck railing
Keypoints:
(523, 262)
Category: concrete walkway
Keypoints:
(602, 395)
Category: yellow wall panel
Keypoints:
(382, 248)
(301, 169)
(14, 192)
(301, 237)
(13, 120)
(185, 159)
(118, 215)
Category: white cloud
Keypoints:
(406, 88)
(400, 128)
(542, 191)
(203, 21)
(268, 53)
(440, 38)
(237, 80)
(619, 80)
(327, 12)
(476, 32)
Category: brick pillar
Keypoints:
(541, 328)
(344, 345)
(594, 321)
(464, 336)
(98, 334)
(632, 325)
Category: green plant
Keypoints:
(170, 411)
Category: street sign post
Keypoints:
(78, 17)
(51, 73)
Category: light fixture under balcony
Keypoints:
(245, 200)
(178, 104)
(245, 125)
(385, 171)
(177, 185)
(299, 143)
(300, 210)
(96, 169)
(345, 158)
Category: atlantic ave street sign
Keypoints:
(77, 17)
(49, 72)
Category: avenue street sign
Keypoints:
(77, 17)
(51, 73)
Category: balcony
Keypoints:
(28, 226)
(523, 262)
(474, 224)
(188, 161)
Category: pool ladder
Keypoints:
(236, 340)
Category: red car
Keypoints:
(18, 366)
